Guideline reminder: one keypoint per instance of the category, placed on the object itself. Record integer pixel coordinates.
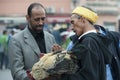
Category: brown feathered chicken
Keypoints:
(53, 63)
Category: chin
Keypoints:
(78, 34)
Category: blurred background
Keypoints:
(12, 15)
(12, 12)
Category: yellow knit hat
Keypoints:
(88, 14)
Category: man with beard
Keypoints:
(26, 46)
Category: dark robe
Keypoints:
(92, 55)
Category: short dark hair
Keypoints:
(4, 31)
(32, 6)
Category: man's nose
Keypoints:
(41, 22)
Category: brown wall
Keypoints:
(19, 7)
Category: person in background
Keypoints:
(113, 69)
(27, 46)
(3, 50)
(12, 32)
(56, 33)
(89, 49)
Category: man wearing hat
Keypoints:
(90, 49)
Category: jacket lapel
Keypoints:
(29, 39)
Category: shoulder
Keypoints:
(92, 40)
(91, 37)
(114, 34)
(18, 35)
(22, 33)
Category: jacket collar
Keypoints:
(29, 39)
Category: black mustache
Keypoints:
(40, 26)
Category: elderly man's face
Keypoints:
(77, 24)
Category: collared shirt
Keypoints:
(39, 37)
(70, 45)
(91, 31)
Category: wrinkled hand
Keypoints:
(56, 47)
(72, 54)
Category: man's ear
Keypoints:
(27, 18)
